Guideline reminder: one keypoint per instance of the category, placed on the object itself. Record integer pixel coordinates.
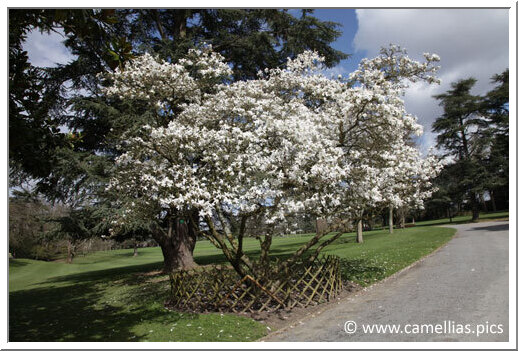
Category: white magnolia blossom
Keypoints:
(169, 85)
(291, 142)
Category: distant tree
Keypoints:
(26, 225)
(474, 131)
(73, 226)
(449, 195)
(72, 188)
(495, 107)
(461, 135)
(105, 214)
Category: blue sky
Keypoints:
(471, 43)
(347, 18)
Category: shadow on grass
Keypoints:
(73, 313)
(13, 262)
(96, 306)
(107, 256)
(109, 274)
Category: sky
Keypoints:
(471, 43)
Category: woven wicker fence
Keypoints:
(219, 288)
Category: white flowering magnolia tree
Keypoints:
(290, 143)
(165, 89)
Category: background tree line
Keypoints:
(473, 134)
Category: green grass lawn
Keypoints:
(503, 215)
(107, 296)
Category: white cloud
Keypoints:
(47, 50)
(470, 42)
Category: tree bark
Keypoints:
(391, 219)
(359, 231)
(177, 245)
(359, 228)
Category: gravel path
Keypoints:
(464, 282)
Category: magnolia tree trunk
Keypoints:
(359, 231)
(177, 245)
(391, 219)
(359, 228)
